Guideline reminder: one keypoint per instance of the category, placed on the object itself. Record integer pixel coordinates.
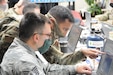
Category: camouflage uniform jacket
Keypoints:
(11, 13)
(8, 31)
(54, 54)
(2, 15)
(20, 59)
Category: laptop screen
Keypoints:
(106, 62)
(73, 37)
(106, 29)
(88, 19)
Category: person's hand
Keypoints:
(84, 69)
(92, 53)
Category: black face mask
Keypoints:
(111, 4)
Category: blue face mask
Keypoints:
(45, 46)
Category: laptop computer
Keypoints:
(106, 62)
(73, 38)
(89, 20)
(106, 29)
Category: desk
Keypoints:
(82, 44)
(50, 1)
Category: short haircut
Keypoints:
(61, 13)
(30, 7)
(30, 23)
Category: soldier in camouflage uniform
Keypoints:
(9, 29)
(61, 22)
(21, 59)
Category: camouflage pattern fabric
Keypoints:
(6, 37)
(22, 60)
(54, 54)
(2, 14)
(8, 31)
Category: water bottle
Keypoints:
(63, 44)
(94, 40)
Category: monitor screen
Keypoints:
(106, 29)
(111, 69)
(106, 63)
(88, 19)
(73, 37)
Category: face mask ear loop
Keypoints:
(50, 16)
(56, 28)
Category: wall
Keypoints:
(79, 4)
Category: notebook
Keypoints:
(106, 62)
(73, 38)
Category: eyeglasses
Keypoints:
(49, 35)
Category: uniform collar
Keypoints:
(23, 44)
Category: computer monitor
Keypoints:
(106, 63)
(106, 28)
(73, 38)
(88, 19)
